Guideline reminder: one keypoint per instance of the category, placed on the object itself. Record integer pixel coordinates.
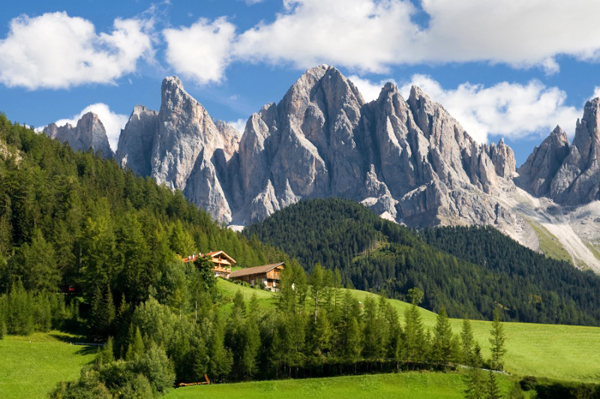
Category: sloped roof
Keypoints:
(213, 254)
(255, 270)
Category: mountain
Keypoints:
(573, 170)
(485, 268)
(180, 146)
(407, 159)
(88, 133)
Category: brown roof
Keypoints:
(213, 254)
(255, 270)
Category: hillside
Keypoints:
(73, 219)
(374, 254)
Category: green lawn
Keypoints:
(32, 366)
(412, 385)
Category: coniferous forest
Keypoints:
(468, 271)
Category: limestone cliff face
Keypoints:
(407, 159)
(537, 173)
(88, 133)
(182, 147)
(568, 174)
(137, 140)
(578, 178)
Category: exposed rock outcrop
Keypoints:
(537, 173)
(577, 181)
(88, 133)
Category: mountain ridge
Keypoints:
(409, 160)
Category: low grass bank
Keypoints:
(32, 366)
(415, 385)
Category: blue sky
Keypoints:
(502, 68)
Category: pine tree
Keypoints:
(493, 390)
(442, 340)
(2, 323)
(136, 346)
(476, 385)
(251, 349)
(466, 338)
(317, 283)
(415, 342)
(106, 355)
(497, 341)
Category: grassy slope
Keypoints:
(32, 366)
(542, 350)
(404, 385)
(549, 244)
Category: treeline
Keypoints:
(75, 225)
(545, 281)
(467, 271)
(316, 329)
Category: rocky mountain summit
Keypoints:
(569, 174)
(88, 133)
(407, 159)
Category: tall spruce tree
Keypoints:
(467, 342)
(475, 379)
(497, 340)
(442, 339)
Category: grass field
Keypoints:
(414, 385)
(542, 350)
(549, 244)
(32, 366)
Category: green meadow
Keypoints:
(32, 366)
(414, 385)
(543, 350)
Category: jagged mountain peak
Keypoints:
(89, 132)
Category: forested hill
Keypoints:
(73, 219)
(375, 255)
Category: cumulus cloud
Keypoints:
(202, 51)
(113, 122)
(57, 51)
(369, 90)
(374, 35)
(239, 125)
(507, 109)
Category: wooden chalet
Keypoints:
(221, 260)
(268, 275)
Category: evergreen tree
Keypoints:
(415, 343)
(136, 346)
(106, 355)
(251, 349)
(317, 283)
(476, 384)
(442, 339)
(493, 390)
(497, 340)
(199, 363)
(467, 341)
(221, 359)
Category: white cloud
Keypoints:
(113, 122)
(57, 51)
(253, 2)
(360, 34)
(202, 51)
(596, 93)
(507, 109)
(369, 90)
(374, 35)
(239, 125)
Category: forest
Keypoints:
(468, 271)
